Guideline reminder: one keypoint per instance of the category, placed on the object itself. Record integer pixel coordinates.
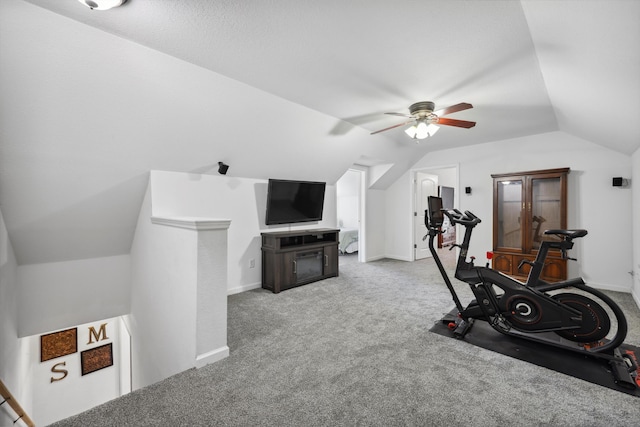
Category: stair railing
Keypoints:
(7, 397)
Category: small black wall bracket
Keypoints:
(621, 182)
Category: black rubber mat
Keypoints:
(577, 365)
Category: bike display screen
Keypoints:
(434, 217)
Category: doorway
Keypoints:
(425, 185)
(350, 200)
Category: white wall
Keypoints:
(14, 369)
(376, 201)
(211, 294)
(57, 295)
(398, 236)
(243, 201)
(163, 300)
(635, 190)
(179, 266)
(348, 199)
(604, 255)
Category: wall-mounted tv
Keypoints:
(294, 201)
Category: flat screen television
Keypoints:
(294, 201)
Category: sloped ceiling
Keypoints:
(91, 101)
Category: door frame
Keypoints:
(433, 170)
(362, 194)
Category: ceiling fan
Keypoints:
(424, 119)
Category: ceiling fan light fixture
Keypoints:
(432, 129)
(102, 4)
(423, 119)
(421, 130)
(411, 131)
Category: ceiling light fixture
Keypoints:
(102, 4)
(422, 129)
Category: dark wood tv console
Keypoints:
(295, 258)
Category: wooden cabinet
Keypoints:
(294, 258)
(524, 205)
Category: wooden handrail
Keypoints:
(7, 397)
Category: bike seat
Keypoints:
(570, 234)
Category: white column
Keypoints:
(211, 285)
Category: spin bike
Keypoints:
(534, 310)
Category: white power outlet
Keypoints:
(252, 263)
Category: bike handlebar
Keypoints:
(468, 219)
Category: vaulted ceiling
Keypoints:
(91, 101)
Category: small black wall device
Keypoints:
(222, 168)
(620, 182)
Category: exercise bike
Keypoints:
(568, 314)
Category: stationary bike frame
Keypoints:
(524, 309)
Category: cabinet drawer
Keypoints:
(503, 263)
(555, 270)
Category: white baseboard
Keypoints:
(243, 288)
(398, 257)
(605, 287)
(212, 356)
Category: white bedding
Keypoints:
(348, 240)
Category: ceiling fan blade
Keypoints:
(458, 123)
(391, 127)
(453, 109)
(400, 114)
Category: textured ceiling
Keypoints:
(93, 100)
(355, 60)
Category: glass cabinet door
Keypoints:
(509, 213)
(546, 209)
(525, 204)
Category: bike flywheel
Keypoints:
(595, 320)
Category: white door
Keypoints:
(425, 185)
